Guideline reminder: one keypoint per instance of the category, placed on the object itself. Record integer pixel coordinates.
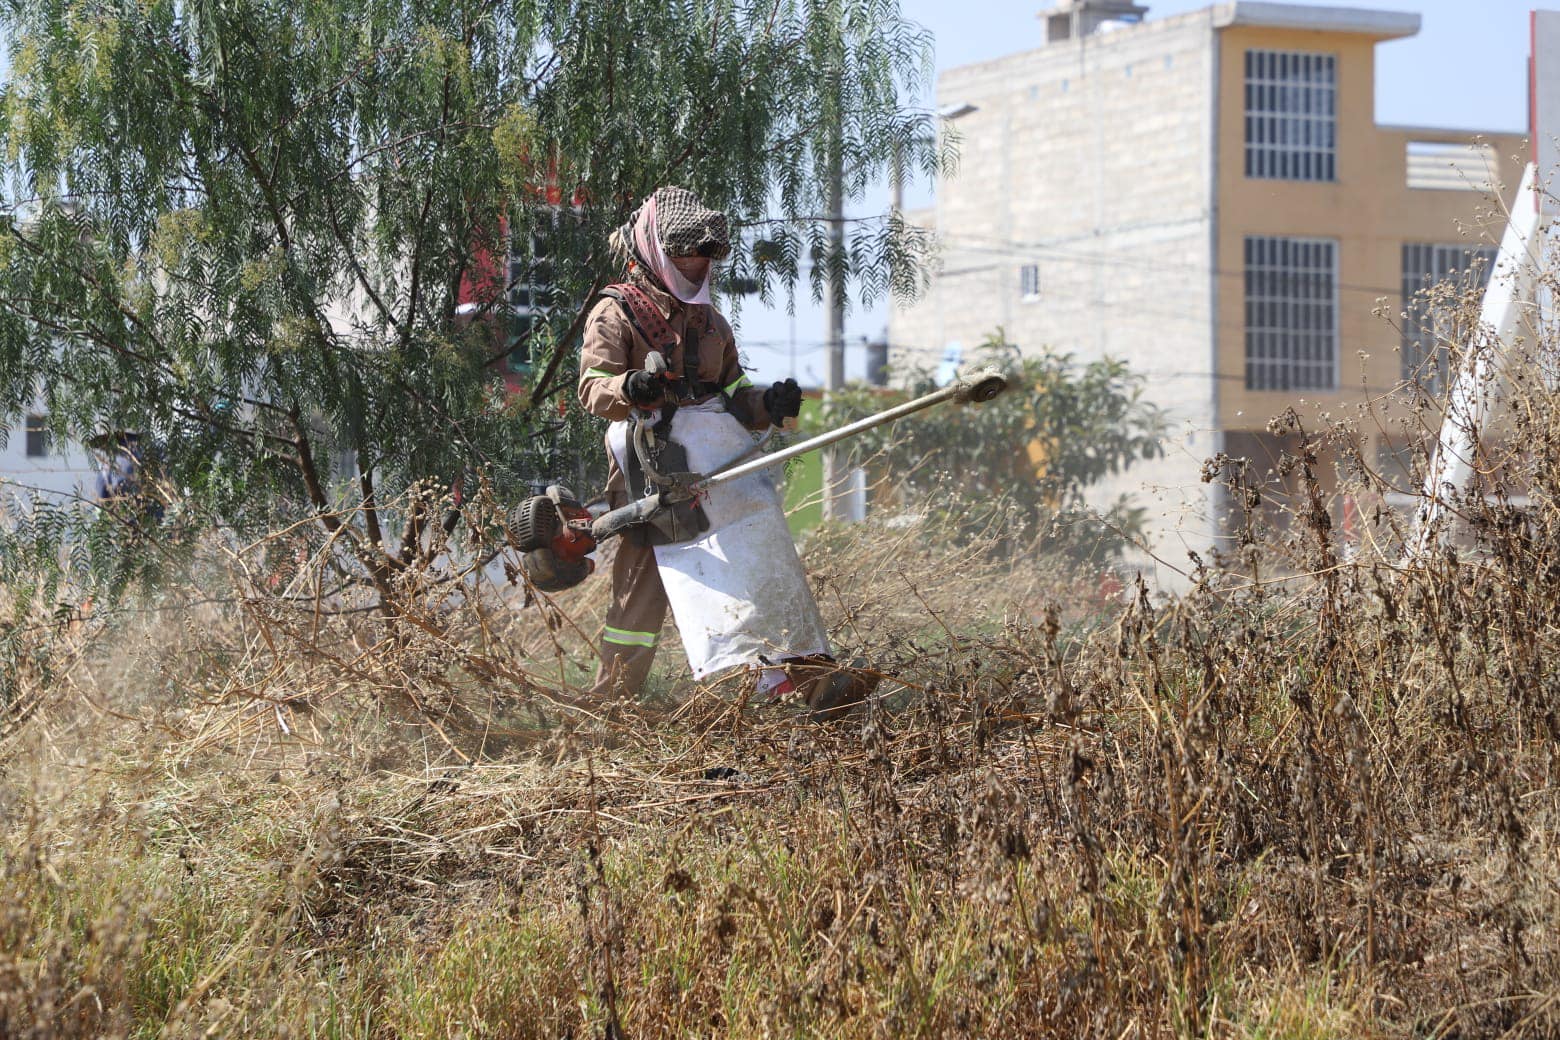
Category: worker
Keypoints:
(668, 248)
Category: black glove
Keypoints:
(644, 389)
(782, 401)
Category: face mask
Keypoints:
(647, 241)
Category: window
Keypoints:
(37, 437)
(1435, 278)
(1291, 115)
(1029, 282)
(521, 326)
(1291, 313)
(529, 294)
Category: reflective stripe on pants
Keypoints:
(622, 637)
(634, 619)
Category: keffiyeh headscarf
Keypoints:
(673, 222)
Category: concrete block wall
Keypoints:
(1091, 159)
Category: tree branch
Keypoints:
(376, 538)
(312, 484)
(238, 431)
(543, 385)
(411, 535)
(422, 223)
(357, 268)
(113, 300)
(372, 557)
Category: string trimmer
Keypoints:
(557, 533)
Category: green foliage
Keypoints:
(242, 228)
(803, 498)
(1058, 429)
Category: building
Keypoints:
(1209, 197)
(32, 464)
(35, 464)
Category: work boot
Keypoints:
(831, 690)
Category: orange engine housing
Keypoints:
(573, 542)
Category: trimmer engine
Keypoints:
(553, 531)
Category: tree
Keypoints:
(1059, 428)
(242, 227)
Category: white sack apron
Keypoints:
(738, 590)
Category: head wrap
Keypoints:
(673, 223)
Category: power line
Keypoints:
(918, 350)
(1023, 251)
(1019, 249)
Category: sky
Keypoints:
(1466, 69)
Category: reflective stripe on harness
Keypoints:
(737, 384)
(624, 637)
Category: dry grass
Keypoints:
(1315, 796)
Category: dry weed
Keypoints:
(1314, 796)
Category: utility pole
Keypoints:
(896, 180)
(834, 474)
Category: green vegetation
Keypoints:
(1315, 794)
(804, 492)
(243, 230)
(1064, 815)
(1060, 428)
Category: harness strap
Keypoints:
(644, 314)
(647, 319)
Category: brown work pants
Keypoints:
(634, 621)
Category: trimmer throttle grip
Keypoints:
(611, 524)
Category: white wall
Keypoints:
(66, 471)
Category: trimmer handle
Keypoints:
(655, 368)
(610, 525)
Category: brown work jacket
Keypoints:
(613, 348)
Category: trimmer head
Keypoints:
(981, 387)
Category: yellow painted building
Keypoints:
(1376, 204)
(1209, 197)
